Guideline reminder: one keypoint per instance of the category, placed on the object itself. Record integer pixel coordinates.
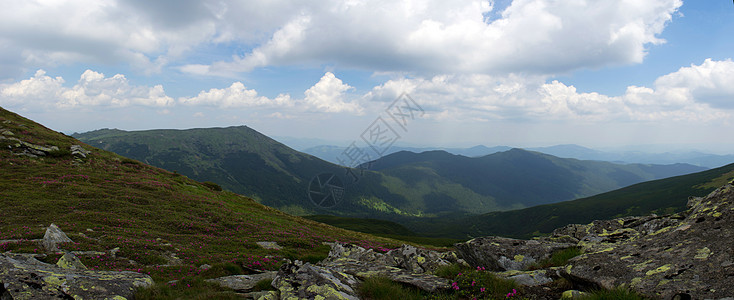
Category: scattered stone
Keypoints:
(205, 267)
(269, 245)
(306, 281)
(53, 237)
(242, 283)
(407, 264)
(573, 294)
(502, 254)
(7, 132)
(527, 278)
(24, 277)
(71, 262)
(267, 295)
(78, 151)
(113, 252)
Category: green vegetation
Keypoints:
(557, 259)
(401, 185)
(382, 228)
(662, 196)
(382, 288)
(164, 224)
(619, 293)
(187, 288)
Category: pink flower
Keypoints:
(482, 290)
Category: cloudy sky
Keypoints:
(518, 73)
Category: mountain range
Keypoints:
(331, 153)
(399, 185)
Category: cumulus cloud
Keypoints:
(695, 93)
(424, 36)
(535, 36)
(92, 89)
(328, 95)
(236, 95)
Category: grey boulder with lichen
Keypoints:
(681, 256)
(24, 277)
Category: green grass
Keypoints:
(619, 293)
(557, 259)
(381, 288)
(189, 288)
(164, 224)
(383, 228)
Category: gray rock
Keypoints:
(70, 261)
(407, 264)
(502, 254)
(24, 277)
(269, 245)
(686, 255)
(307, 281)
(78, 151)
(53, 237)
(527, 278)
(242, 283)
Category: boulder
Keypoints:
(242, 283)
(407, 264)
(528, 278)
(78, 151)
(502, 254)
(24, 277)
(70, 261)
(53, 237)
(688, 256)
(269, 245)
(306, 281)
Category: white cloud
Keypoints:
(328, 95)
(92, 89)
(710, 82)
(536, 36)
(698, 93)
(418, 36)
(236, 95)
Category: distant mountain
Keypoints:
(664, 196)
(402, 184)
(691, 157)
(330, 153)
(518, 177)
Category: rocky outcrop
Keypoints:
(689, 255)
(407, 264)
(503, 254)
(339, 275)
(306, 281)
(24, 277)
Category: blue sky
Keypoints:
(519, 73)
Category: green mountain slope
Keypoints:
(521, 178)
(662, 196)
(405, 184)
(163, 223)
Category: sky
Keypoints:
(431, 73)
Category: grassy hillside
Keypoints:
(663, 196)
(163, 223)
